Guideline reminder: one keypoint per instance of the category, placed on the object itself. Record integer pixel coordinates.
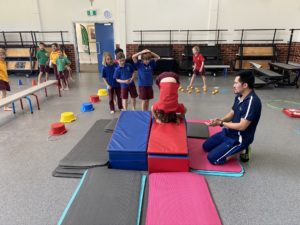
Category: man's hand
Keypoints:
(108, 87)
(214, 122)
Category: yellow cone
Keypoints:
(102, 92)
(67, 117)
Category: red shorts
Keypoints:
(4, 85)
(131, 90)
(44, 69)
(197, 72)
(145, 92)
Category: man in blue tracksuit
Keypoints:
(239, 124)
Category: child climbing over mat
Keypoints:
(112, 85)
(167, 109)
(4, 85)
(198, 67)
(124, 74)
(145, 69)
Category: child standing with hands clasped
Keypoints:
(124, 75)
(113, 86)
(4, 85)
(198, 68)
(145, 69)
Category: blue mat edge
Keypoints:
(72, 199)
(141, 199)
(220, 173)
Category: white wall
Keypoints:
(129, 15)
(235, 14)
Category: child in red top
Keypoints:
(167, 109)
(198, 68)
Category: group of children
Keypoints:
(119, 78)
(58, 60)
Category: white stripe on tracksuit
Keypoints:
(240, 136)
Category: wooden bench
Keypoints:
(18, 52)
(25, 94)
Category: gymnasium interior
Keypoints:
(66, 159)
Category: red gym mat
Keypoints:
(180, 198)
(295, 113)
(157, 164)
(168, 138)
(198, 159)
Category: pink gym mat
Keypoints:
(180, 199)
(198, 157)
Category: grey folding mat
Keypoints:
(90, 151)
(104, 197)
(68, 172)
(197, 130)
(110, 127)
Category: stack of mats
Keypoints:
(178, 199)
(167, 149)
(89, 152)
(128, 146)
(200, 164)
(106, 197)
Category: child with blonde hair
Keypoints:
(113, 86)
(198, 68)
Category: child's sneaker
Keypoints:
(112, 112)
(67, 88)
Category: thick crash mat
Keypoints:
(180, 199)
(105, 197)
(168, 138)
(168, 163)
(197, 130)
(90, 151)
(128, 145)
(295, 113)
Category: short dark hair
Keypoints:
(120, 55)
(55, 44)
(118, 50)
(170, 117)
(246, 77)
(42, 43)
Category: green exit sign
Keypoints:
(91, 12)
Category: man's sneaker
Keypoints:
(245, 157)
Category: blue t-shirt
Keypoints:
(108, 74)
(248, 109)
(145, 72)
(124, 73)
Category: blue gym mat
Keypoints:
(128, 145)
